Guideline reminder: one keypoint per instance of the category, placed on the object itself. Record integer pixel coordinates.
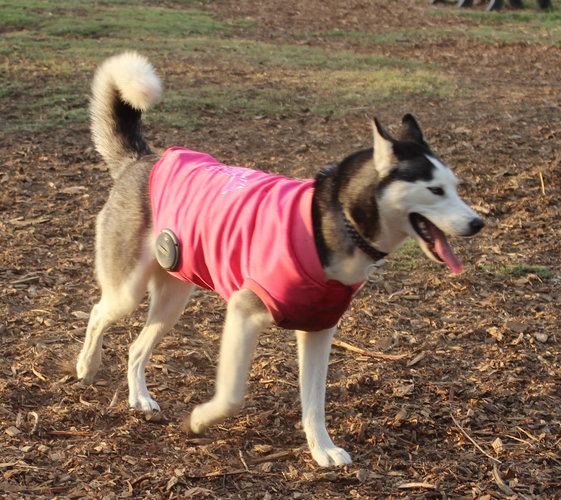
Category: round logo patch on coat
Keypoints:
(167, 250)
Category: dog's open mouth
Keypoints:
(435, 241)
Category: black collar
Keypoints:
(360, 242)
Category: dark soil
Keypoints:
(456, 390)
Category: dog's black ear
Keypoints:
(384, 157)
(410, 130)
(381, 130)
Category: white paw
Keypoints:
(197, 422)
(144, 403)
(331, 455)
(210, 413)
(86, 371)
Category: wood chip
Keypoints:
(498, 446)
(419, 357)
(372, 354)
(500, 483)
(12, 431)
(417, 485)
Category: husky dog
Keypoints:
(280, 251)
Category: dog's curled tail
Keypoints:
(124, 86)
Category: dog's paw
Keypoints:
(143, 403)
(84, 372)
(210, 413)
(186, 427)
(331, 455)
(194, 423)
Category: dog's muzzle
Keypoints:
(475, 225)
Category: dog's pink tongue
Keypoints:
(444, 251)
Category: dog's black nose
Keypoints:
(475, 225)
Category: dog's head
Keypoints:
(417, 194)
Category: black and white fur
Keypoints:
(365, 201)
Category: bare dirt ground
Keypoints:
(470, 407)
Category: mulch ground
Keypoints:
(440, 386)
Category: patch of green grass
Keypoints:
(508, 34)
(17, 18)
(410, 249)
(407, 257)
(301, 56)
(130, 21)
(332, 93)
(508, 26)
(520, 270)
(62, 105)
(50, 50)
(289, 79)
(531, 15)
(269, 80)
(381, 37)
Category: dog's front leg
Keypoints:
(245, 318)
(313, 357)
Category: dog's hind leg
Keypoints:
(119, 297)
(245, 318)
(313, 359)
(89, 360)
(168, 297)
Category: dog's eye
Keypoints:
(436, 190)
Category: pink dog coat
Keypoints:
(244, 229)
